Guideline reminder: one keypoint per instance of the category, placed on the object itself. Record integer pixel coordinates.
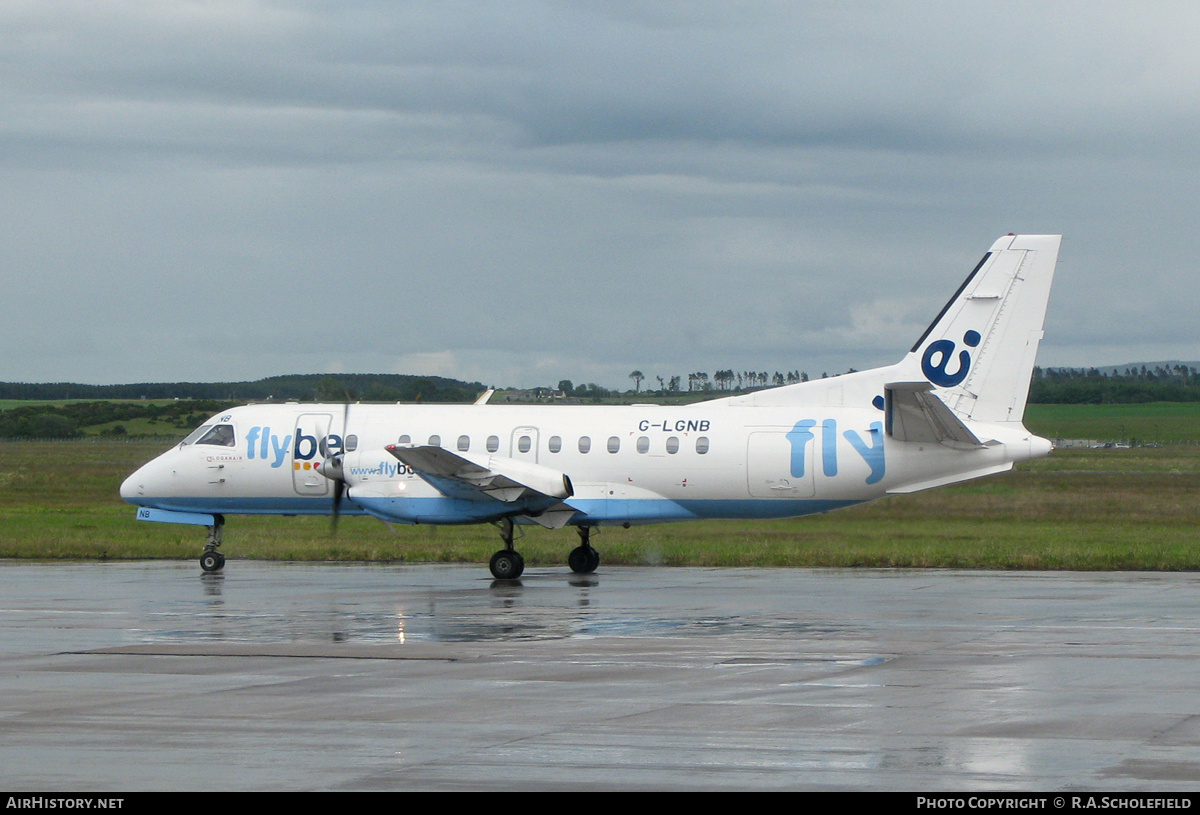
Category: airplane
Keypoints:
(950, 410)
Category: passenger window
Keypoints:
(643, 444)
(673, 445)
(351, 443)
(221, 435)
(614, 444)
(405, 439)
(702, 445)
(555, 444)
(435, 440)
(524, 443)
(585, 444)
(493, 443)
(464, 444)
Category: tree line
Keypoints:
(302, 387)
(1090, 386)
(700, 381)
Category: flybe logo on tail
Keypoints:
(944, 350)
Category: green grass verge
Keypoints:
(1162, 422)
(1077, 509)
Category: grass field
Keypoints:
(1161, 422)
(1077, 509)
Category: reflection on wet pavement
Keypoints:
(333, 676)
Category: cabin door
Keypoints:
(524, 444)
(780, 464)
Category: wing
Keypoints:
(483, 478)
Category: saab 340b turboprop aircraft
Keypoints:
(950, 410)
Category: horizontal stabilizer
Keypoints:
(912, 412)
(478, 477)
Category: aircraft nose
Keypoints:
(131, 487)
(146, 481)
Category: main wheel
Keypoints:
(212, 561)
(583, 560)
(507, 564)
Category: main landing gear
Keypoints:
(583, 558)
(507, 564)
(212, 560)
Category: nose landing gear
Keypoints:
(212, 560)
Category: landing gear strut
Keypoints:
(507, 564)
(212, 560)
(583, 558)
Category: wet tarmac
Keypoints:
(147, 676)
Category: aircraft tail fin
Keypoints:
(979, 351)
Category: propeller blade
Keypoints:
(339, 483)
(339, 488)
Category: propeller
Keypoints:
(332, 468)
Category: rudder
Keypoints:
(979, 351)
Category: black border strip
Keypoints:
(946, 307)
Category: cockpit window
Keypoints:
(221, 435)
(195, 434)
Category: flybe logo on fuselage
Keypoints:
(261, 443)
(872, 453)
(944, 350)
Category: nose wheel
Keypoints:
(212, 561)
(507, 564)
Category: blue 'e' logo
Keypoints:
(937, 374)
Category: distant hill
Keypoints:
(304, 387)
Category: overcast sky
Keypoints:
(521, 192)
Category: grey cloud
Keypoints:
(932, 78)
(231, 190)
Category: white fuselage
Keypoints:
(625, 464)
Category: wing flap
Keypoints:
(556, 517)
